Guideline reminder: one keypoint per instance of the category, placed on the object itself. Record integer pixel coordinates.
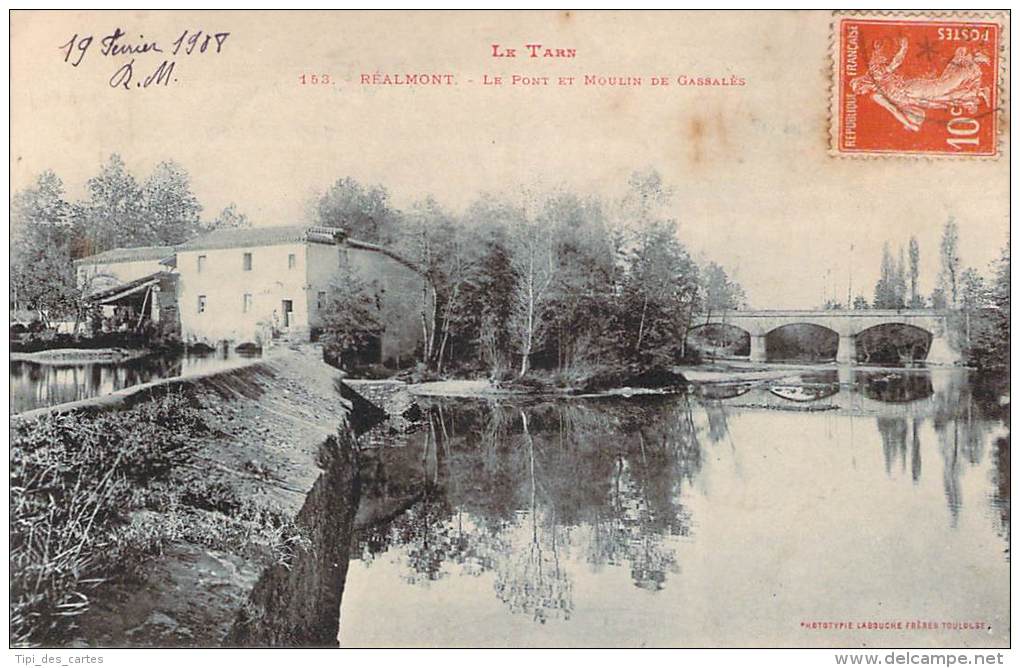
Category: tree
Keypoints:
(720, 293)
(533, 260)
(973, 297)
(42, 275)
(949, 262)
(915, 261)
(860, 303)
(455, 270)
(231, 218)
(351, 320)
(170, 211)
(113, 215)
(660, 294)
(888, 289)
(487, 296)
(990, 340)
(999, 291)
(900, 281)
(459, 273)
(582, 304)
(659, 287)
(363, 211)
(433, 238)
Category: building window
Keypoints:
(291, 261)
(321, 302)
(247, 261)
(247, 302)
(201, 303)
(201, 263)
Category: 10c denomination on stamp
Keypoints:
(915, 85)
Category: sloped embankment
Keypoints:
(175, 550)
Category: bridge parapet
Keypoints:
(846, 324)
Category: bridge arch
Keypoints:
(720, 339)
(804, 341)
(896, 343)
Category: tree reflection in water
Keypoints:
(961, 437)
(1001, 493)
(894, 441)
(516, 492)
(510, 490)
(961, 425)
(893, 386)
(531, 581)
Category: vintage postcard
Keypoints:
(515, 329)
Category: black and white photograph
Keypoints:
(510, 329)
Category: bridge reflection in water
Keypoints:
(890, 392)
(589, 522)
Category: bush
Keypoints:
(370, 372)
(50, 340)
(71, 486)
(692, 356)
(632, 375)
(419, 373)
(94, 495)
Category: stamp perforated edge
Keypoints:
(1002, 87)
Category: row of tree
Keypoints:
(979, 306)
(553, 279)
(897, 285)
(49, 232)
(956, 286)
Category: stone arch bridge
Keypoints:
(846, 324)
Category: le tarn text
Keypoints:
(532, 51)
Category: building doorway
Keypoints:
(288, 312)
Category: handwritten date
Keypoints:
(117, 44)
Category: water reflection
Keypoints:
(34, 384)
(722, 390)
(894, 386)
(546, 510)
(516, 472)
(804, 392)
(1001, 490)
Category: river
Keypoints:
(39, 384)
(819, 512)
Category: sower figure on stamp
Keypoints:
(959, 85)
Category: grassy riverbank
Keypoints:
(94, 497)
(37, 342)
(121, 517)
(609, 379)
(618, 380)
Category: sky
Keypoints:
(755, 186)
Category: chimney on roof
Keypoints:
(323, 234)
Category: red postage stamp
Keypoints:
(915, 86)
